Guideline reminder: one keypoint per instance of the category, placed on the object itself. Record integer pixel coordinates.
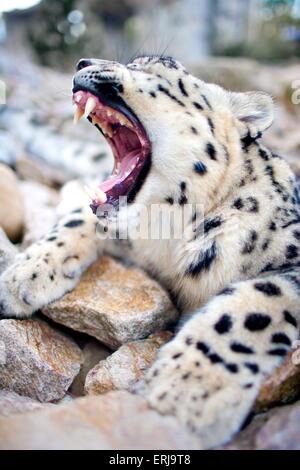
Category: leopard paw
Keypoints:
(212, 403)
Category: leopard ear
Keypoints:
(254, 109)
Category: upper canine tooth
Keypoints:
(77, 115)
(89, 106)
(109, 113)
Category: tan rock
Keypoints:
(116, 420)
(39, 207)
(36, 360)
(115, 304)
(283, 385)
(126, 366)
(12, 403)
(92, 352)
(11, 204)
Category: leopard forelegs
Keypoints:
(210, 374)
(52, 266)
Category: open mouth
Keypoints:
(128, 140)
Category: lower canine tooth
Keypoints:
(77, 115)
(101, 196)
(89, 106)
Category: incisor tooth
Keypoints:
(89, 106)
(125, 122)
(77, 115)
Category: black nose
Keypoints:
(83, 63)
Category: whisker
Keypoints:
(138, 50)
(168, 45)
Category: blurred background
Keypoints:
(241, 44)
(56, 32)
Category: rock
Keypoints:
(116, 420)
(39, 203)
(115, 304)
(7, 251)
(36, 360)
(278, 429)
(283, 385)
(93, 352)
(11, 204)
(12, 403)
(281, 431)
(126, 366)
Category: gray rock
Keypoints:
(36, 360)
(278, 429)
(281, 431)
(11, 403)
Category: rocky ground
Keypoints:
(66, 375)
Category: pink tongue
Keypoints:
(127, 162)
